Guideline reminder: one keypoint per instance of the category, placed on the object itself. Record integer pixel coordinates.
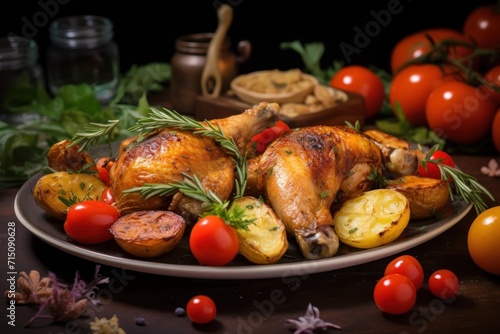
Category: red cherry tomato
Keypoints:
(410, 88)
(395, 294)
(409, 266)
(495, 130)
(431, 168)
(482, 25)
(443, 283)
(213, 242)
(363, 81)
(482, 240)
(88, 222)
(262, 139)
(107, 196)
(492, 77)
(102, 169)
(201, 309)
(459, 112)
(417, 44)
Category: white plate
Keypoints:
(180, 262)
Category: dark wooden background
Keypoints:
(146, 30)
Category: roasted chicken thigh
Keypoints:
(306, 171)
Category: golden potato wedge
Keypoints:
(148, 233)
(62, 157)
(266, 241)
(372, 219)
(72, 187)
(427, 196)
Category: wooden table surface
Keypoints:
(343, 296)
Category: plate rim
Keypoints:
(252, 271)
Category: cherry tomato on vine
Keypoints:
(363, 81)
(102, 169)
(201, 309)
(88, 222)
(213, 242)
(432, 170)
(395, 294)
(482, 24)
(459, 112)
(495, 130)
(417, 44)
(410, 88)
(482, 240)
(443, 283)
(409, 266)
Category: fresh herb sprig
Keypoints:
(465, 185)
(166, 118)
(93, 134)
(192, 187)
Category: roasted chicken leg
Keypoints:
(306, 171)
(164, 156)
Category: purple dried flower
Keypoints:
(310, 322)
(65, 304)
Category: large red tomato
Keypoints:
(483, 26)
(492, 76)
(417, 44)
(410, 88)
(459, 112)
(361, 80)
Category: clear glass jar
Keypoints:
(20, 77)
(82, 50)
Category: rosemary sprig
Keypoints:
(192, 187)
(166, 118)
(93, 134)
(465, 185)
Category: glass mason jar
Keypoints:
(82, 50)
(21, 76)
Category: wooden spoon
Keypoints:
(211, 79)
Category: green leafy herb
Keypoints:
(94, 133)
(465, 185)
(401, 128)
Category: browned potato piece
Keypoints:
(148, 233)
(71, 186)
(266, 241)
(373, 218)
(64, 158)
(427, 196)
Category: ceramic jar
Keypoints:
(188, 62)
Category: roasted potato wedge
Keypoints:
(73, 187)
(427, 196)
(372, 219)
(266, 241)
(148, 233)
(63, 157)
